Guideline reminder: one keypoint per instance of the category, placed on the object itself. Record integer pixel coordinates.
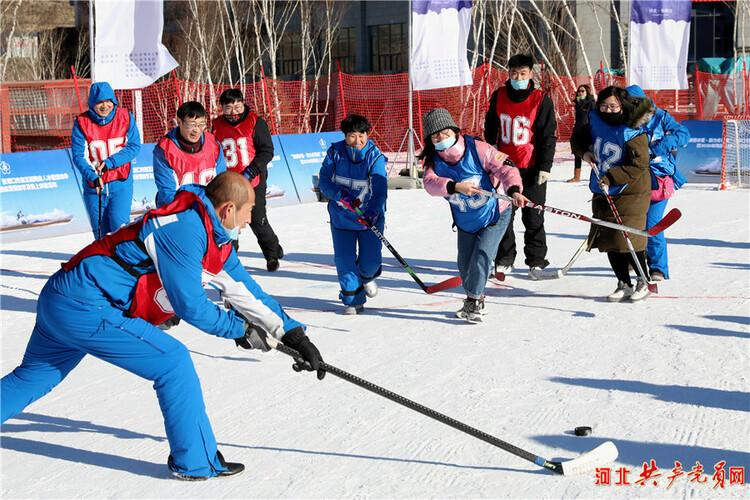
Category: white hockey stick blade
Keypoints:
(588, 462)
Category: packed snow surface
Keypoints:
(665, 379)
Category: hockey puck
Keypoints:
(582, 431)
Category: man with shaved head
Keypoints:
(108, 298)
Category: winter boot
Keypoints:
(471, 310)
(622, 292)
(371, 288)
(354, 309)
(641, 290)
(232, 469)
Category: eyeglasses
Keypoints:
(581, 91)
(614, 108)
(195, 126)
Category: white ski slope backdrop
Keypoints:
(666, 379)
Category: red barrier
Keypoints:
(39, 115)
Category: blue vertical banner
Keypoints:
(658, 44)
(440, 32)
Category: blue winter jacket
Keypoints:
(174, 245)
(665, 135)
(101, 91)
(361, 173)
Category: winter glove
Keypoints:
(350, 201)
(310, 358)
(249, 174)
(368, 218)
(255, 338)
(98, 184)
(542, 177)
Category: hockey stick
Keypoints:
(438, 287)
(550, 275)
(588, 462)
(660, 226)
(99, 229)
(652, 287)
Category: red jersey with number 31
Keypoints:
(102, 141)
(517, 126)
(237, 142)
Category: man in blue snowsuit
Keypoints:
(666, 135)
(105, 140)
(353, 175)
(108, 297)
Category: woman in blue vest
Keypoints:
(353, 175)
(459, 168)
(666, 135)
(616, 147)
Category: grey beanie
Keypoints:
(436, 120)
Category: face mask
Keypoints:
(580, 97)
(357, 155)
(446, 143)
(610, 118)
(232, 118)
(519, 84)
(235, 232)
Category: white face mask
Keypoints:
(235, 232)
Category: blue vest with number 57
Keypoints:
(609, 150)
(470, 213)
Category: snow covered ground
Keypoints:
(665, 380)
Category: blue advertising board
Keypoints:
(304, 154)
(700, 160)
(144, 186)
(41, 196)
(280, 188)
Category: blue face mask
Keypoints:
(519, 84)
(446, 143)
(234, 233)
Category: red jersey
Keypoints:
(150, 301)
(105, 140)
(237, 142)
(192, 168)
(517, 126)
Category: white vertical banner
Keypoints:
(658, 44)
(440, 32)
(128, 52)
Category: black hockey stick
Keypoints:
(602, 454)
(438, 287)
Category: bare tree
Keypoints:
(7, 6)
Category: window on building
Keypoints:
(343, 50)
(711, 28)
(289, 57)
(388, 47)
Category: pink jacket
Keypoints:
(502, 175)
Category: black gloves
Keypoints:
(310, 359)
(249, 174)
(98, 183)
(255, 338)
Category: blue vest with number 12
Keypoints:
(609, 150)
(470, 213)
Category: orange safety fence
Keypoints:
(39, 115)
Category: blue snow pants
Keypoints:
(354, 268)
(67, 330)
(117, 197)
(656, 248)
(476, 251)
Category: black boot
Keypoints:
(232, 469)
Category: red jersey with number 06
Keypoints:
(102, 141)
(237, 142)
(192, 168)
(517, 126)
